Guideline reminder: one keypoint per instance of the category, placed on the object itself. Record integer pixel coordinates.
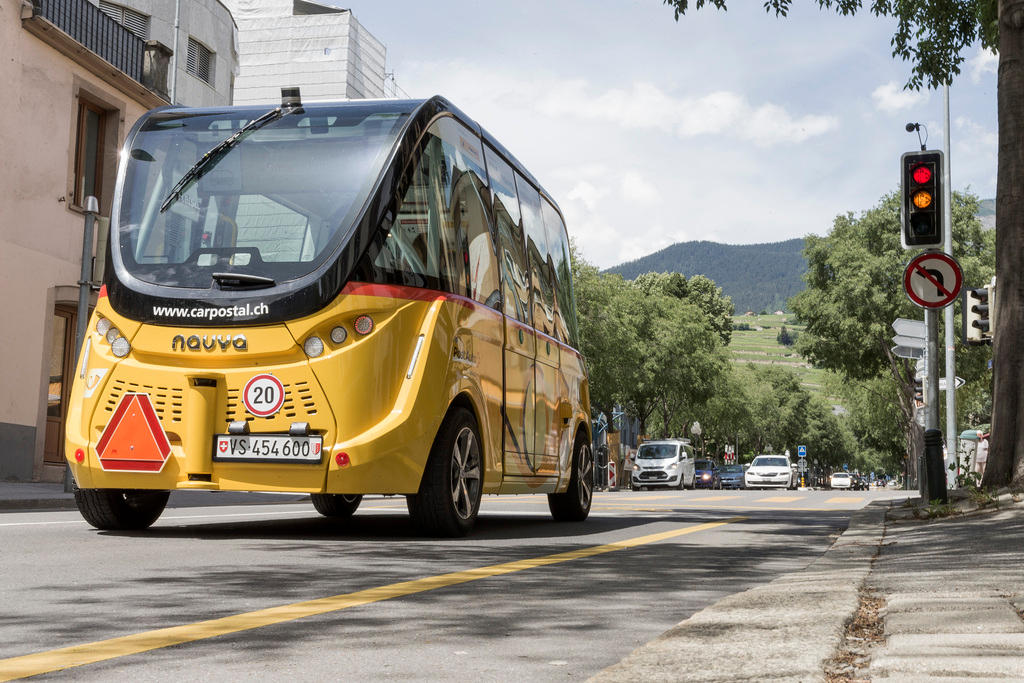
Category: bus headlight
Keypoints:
(112, 334)
(102, 325)
(338, 335)
(121, 347)
(314, 346)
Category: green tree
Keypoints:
(699, 290)
(932, 35)
(607, 335)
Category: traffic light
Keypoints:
(922, 209)
(919, 397)
(977, 314)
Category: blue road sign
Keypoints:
(801, 451)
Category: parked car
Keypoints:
(708, 476)
(666, 463)
(840, 480)
(769, 471)
(731, 476)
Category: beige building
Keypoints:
(78, 75)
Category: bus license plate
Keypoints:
(268, 448)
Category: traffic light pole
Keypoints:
(931, 393)
(934, 472)
(951, 430)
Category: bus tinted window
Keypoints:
(558, 243)
(541, 279)
(514, 270)
(439, 238)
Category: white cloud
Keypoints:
(639, 190)
(586, 194)
(984, 62)
(891, 98)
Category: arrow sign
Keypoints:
(907, 352)
(958, 382)
(912, 342)
(909, 328)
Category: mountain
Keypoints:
(758, 277)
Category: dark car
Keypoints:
(731, 476)
(707, 475)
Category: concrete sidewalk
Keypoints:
(894, 599)
(16, 495)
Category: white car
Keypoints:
(769, 471)
(840, 480)
(665, 463)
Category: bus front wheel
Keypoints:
(449, 496)
(338, 505)
(574, 504)
(118, 510)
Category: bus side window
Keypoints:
(565, 308)
(541, 285)
(406, 251)
(515, 274)
(469, 266)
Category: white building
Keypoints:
(323, 50)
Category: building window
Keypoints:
(136, 22)
(200, 61)
(89, 151)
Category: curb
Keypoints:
(788, 627)
(38, 504)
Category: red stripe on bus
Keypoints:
(103, 291)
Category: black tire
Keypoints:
(120, 509)
(337, 505)
(449, 497)
(574, 504)
(682, 483)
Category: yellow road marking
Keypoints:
(845, 499)
(781, 499)
(90, 653)
(726, 497)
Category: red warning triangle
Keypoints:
(133, 440)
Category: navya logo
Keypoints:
(237, 342)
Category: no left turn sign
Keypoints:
(933, 279)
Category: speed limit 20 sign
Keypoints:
(933, 279)
(263, 395)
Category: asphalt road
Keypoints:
(269, 592)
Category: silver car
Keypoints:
(667, 463)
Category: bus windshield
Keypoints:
(273, 208)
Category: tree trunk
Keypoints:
(1006, 453)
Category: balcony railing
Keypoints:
(95, 30)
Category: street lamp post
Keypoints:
(697, 431)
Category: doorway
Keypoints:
(62, 365)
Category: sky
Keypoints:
(734, 127)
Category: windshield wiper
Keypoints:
(213, 157)
(242, 280)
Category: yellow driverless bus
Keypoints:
(366, 297)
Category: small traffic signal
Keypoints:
(922, 208)
(919, 398)
(977, 314)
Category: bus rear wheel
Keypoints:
(449, 497)
(574, 504)
(120, 509)
(338, 505)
